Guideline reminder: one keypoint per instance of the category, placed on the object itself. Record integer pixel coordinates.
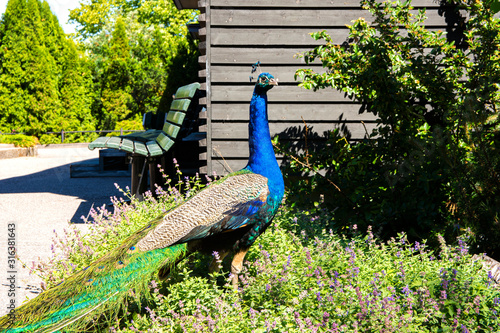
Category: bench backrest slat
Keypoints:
(176, 117)
(164, 141)
(187, 91)
(180, 104)
(171, 130)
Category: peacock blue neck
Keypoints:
(262, 159)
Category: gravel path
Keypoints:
(37, 196)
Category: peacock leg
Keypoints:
(237, 265)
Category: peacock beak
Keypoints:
(273, 82)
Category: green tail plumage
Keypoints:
(99, 288)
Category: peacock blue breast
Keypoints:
(262, 159)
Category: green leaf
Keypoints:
(495, 6)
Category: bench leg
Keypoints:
(139, 177)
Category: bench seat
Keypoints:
(154, 141)
(152, 146)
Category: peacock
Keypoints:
(226, 217)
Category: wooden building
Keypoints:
(234, 34)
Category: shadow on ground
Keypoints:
(94, 192)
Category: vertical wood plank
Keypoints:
(208, 80)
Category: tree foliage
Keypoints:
(93, 15)
(137, 53)
(115, 80)
(141, 51)
(431, 165)
(43, 81)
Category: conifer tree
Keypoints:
(34, 59)
(28, 78)
(77, 95)
(12, 95)
(116, 99)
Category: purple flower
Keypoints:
(298, 321)
(444, 284)
(266, 254)
(252, 313)
(406, 290)
(463, 247)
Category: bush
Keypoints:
(19, 140)
(431, 165)
(300, 276)
(323, 282)
(296, 281)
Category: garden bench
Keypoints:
(162, 130)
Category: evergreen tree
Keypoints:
(77, 95)
(34, 70)
(27, 85)
(116, 99)
(13, 54)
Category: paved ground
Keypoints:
(37, 196)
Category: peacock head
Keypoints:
(266, 81)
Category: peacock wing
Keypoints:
(229, 204)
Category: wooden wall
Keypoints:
(235, 34)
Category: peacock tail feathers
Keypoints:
(98, 288)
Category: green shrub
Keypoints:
(300, 276)
(431, 165)
(46, 139)
(319, 282)
(19, 140)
